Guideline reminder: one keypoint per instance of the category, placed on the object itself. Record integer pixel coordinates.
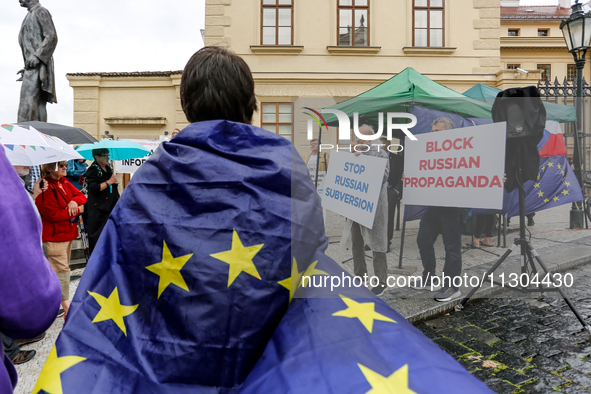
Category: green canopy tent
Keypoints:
(410, 87)
(557, 112)
(405, 89)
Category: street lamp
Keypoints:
(577, 34)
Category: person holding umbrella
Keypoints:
(102, 195)
(59, 206)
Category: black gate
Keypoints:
(565, 94)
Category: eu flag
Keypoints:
(343, 340)
(556, 185)
(195, 269)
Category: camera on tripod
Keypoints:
(516, 125)
(525, 114)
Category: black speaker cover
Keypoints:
(524, 112)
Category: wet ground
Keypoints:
(517, 344)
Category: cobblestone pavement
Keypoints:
(30, 371)
(522, 345)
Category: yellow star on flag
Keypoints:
(538, 177)
(540, 194)
(111, 309)
(564, 192)
(50, 380)
(169, 270)
(311, 270)
(395, 383)
(364, 311)
(550, 164)
(567, 183)
(536, 185)
(546, 200)
(555, 198)
(239, 258)
(294, 281)
(559, 166)
(543, 168)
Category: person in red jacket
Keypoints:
(59, 207)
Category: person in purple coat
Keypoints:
(29, 288)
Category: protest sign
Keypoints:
(456, 168)
(352, 186)
(130, 166)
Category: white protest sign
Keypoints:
(456, 168)
(130, 166)
(352, 186)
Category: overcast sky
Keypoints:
(106, 35)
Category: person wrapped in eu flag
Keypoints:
(192, 277)
(185, 291)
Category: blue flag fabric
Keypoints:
(196, 268)
(344, 340)
(193, 252)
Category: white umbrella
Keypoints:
(17, 135)
(50, 150)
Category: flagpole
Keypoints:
(318, 159)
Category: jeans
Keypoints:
(448, 222)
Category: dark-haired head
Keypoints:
(100, 152)
(217, 84)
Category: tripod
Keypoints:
(528, 254)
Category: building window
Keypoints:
(546, 74)
(428, 23)
(277, 118)
(542, 32)
(277, 22)
(571, 72)
(513, 32)
(353, 22)
(514, 66)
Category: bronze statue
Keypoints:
(38, 40)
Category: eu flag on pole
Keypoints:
(197, 266)
(556, 185)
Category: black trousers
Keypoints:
(94, 227)
(484, 225)
(10, 347)
(446, 221)
(392, 203)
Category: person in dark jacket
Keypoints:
(101, 186)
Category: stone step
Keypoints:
(77, 249)
(77, 263)
(76, 254)
(77, 244)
